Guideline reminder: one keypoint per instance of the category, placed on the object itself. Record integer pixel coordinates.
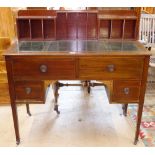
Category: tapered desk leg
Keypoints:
(15, 120)
(88, 86)
(125, 108)
(55, 89)
(28, 109)
(141, 99)
(139, 116)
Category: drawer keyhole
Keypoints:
(43, 68)
(126, 91)
(28, 90)
(111, 68)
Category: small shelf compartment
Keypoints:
(23, 26)
(82, 26)
(104, 29)
(92, 26)
(49, 28)
(61, 26)
(36, 29)
(117, 29)
(72, 19)
(129, 29)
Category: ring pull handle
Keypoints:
(43, 68)
(111, 68)
(28, 90)
(126, 91)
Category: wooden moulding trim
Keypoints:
(36, 13)
(29, 101)
(36, 17)
(78, 11)
(118, 12)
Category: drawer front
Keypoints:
(111, 68)
(29, 90)
(45, 69)
(126, 91)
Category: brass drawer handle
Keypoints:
(43, 68)
(28, 90)
(126, 91)
(111, 68)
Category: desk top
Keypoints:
(77, 47)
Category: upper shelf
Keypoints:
(77, 24)
(36, 13)
(117, 14)
(101, 16)
(36, 17)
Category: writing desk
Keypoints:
(123, 63)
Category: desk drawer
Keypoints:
(44, 69)
(29, 90)
(126, 91)
(111, 67)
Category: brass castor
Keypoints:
(135, 142)
(56, 109)
(88, 90)
(124, 107)
(28, 109)
(17, 142)
(88, 87)
(29, 113)
(124, 113)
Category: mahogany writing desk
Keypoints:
(123, 63)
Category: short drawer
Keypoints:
(126, 91)
(111, 67)
(30, 91)
(44, 69)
